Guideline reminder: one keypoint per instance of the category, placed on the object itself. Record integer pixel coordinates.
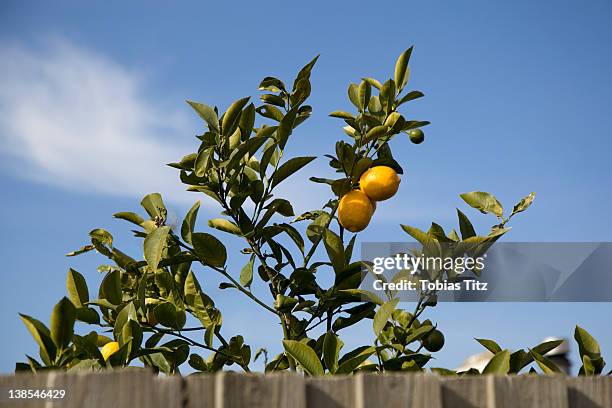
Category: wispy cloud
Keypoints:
(77, 119)
(74, 118)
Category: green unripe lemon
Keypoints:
(434, 341)
(416, 136)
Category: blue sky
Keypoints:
(92, 105)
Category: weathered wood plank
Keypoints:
(200, 391)
(397, 390)
(234, 390)
(467, 392)
(330, 392)
(526, 391)
(589, 392)
(20, 381)
(128, 388)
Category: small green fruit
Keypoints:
(416, 136)
(434, 341)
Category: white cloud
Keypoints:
(74, 118)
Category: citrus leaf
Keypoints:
(335, 250)
(523, 204)
(62, 323)
(484, 202)
(382, 316)
(189, 222)
(246, 273)
(209, 249)
(401, 69)
(231, 116)
(499, 364)
(153, 205)
(207, 113)
(41, 335)
(547, 366)
(203, 161)
(331, 351)
(304, 355)
(587, 344)
(288, 168)
(465, 226)
(490, 345)
(224, 225)
(77, 288)
(110, 289)
(154, 245)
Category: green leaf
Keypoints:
(490, 345)
(110, 288)
(154, 245)
(87, 315)
(484, 202)
(410, 96)
(288, 168)
(248, 147)
(209, 249)
(130, 216)
(225, 225)
(331, 351)
(153, 205)
(207, 113)
(342, 115)
(351, 361)
(272, 84)
(188, 224)
(465, 226)
(588, 368)
(168, 315)
(523, 204)
(382, 316)
(62, 323)
(499, 364)
(246, 273)
(417, 334)
(247, 121)
(547, 346)
(401, 69)
(304, 355)
(77, 288)
(373, 82)
(131, 334)
(199, 302)
(587, 345)
(203, 161)
(41, 335)
(547, 366)
(353, 94)
(376, 133)
(230, 118)
(365, 92)
(387, 96)
(335, 250)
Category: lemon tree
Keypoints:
(140, 310)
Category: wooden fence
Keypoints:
(140, 389)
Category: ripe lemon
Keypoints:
(434, 341)
(379, 183)
(109, 349)
(355, 210)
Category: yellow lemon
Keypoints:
(379, 183)
(109, 349)
(355, 210)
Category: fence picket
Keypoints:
(136, 388)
